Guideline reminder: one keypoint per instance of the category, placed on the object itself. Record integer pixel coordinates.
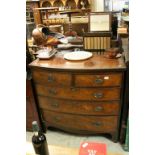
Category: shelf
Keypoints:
(29, 11)
(47, 8)
(32, 0)
(29, 18)
(30, 23)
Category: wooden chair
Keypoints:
(96, 41)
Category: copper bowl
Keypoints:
(111, 53)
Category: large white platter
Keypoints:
(78, 55)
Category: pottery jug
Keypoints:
(39, 34)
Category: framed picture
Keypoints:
(99, 21)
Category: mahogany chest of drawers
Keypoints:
(80, 97)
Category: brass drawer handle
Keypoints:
(98, 81)
(98, 108)
(53, 91)
(98, 95)
(97, 124)
(73, 89)
(57, 119)
(50, 78)
(55, 105)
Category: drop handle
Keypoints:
(98, 81)
(73, 89)
(98, 108)
(97, 124)
(57, 119)
(98, 95)
(53, 91)
(55, 105)
(50, 79)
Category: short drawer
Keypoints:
(91, 80)
(51, 78)
(79, 107)
(96, 94)
(79, 122)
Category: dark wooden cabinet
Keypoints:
(31, 109)
(83, 97)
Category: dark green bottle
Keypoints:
(39, 140)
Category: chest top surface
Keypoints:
(96, 62)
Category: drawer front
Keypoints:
(96, 94)
(77, 122)
(52, 78)
(79, 107)
(107, 79)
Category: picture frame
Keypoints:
(99, 21)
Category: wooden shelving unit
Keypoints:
(72, 4)
(31, 15)
(45, 13)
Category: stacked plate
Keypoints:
(45, 54)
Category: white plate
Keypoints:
(78, 55)
(43, 51)
(63, 40)
(45, 56)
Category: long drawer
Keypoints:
(82, 107)
(92, 80)
(96, 94)
(52, 78)
(79, 122)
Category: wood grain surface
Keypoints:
(94, 124)
(79, 107)
(94, 94)
(94, 63)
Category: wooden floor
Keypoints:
(58, 150)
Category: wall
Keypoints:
(115, 5)
(97, 5)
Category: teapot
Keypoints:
(111, 53)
